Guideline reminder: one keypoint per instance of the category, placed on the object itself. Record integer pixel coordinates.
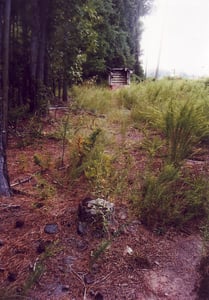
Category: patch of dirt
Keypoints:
(36, 265)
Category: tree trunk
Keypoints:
(34, 55)
(59, 88)
(4, 180)
(64, 88)
(42, 43)
(7, 11)
(1, 38)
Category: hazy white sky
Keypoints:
(181, 27)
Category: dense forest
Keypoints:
(53, 44)
(46, 46)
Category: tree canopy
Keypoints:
(56, 43)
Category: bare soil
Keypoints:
(131, 262)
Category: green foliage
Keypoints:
(43, 162)
(39, 268)
(33, 278)
(185, 126)
(65, 131)
(88, 157)
(173, 118)
(45, 190)
(96, 254)
(128, 97)
(98, 170)
(80, 152)
(171, 198)
(152, 145)
(35, 127)
(92, 98)
(178, 110)
(55, 44)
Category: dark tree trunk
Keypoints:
(59, 88)
(4, 180)
(1, 35)
(42, 42)
(7, 11)
(64, 88)
(38, 51)
(34, 55)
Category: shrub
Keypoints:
(184, 126)
(172, 199)
(80, 152)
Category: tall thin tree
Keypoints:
(4, 180)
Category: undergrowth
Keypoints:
(172, 116)
(172, 198)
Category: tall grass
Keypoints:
(174, 118)
(92, 98)
(172, 198)
(185, 126)
(178, 109)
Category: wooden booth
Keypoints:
(119, 77)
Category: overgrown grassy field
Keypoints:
(172, 119)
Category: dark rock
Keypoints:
(141, 262)
(98, 296)
(1, 243)
(82, 228)
(89, 278)
(19, 224)
(95, 268)
(65, 288)
(42, 246)
(12, 277)
(51, 228)
(82, 215)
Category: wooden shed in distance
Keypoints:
(118, 77)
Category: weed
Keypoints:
(172, 199)
(96, 254)
(35, 127)
(177, 112)
(39, 268)
(64, 136)
(44, 188)
(34, 277)
(81, 150)
(43, 162)
(23, 162)
(185, 126)
(152, 145)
